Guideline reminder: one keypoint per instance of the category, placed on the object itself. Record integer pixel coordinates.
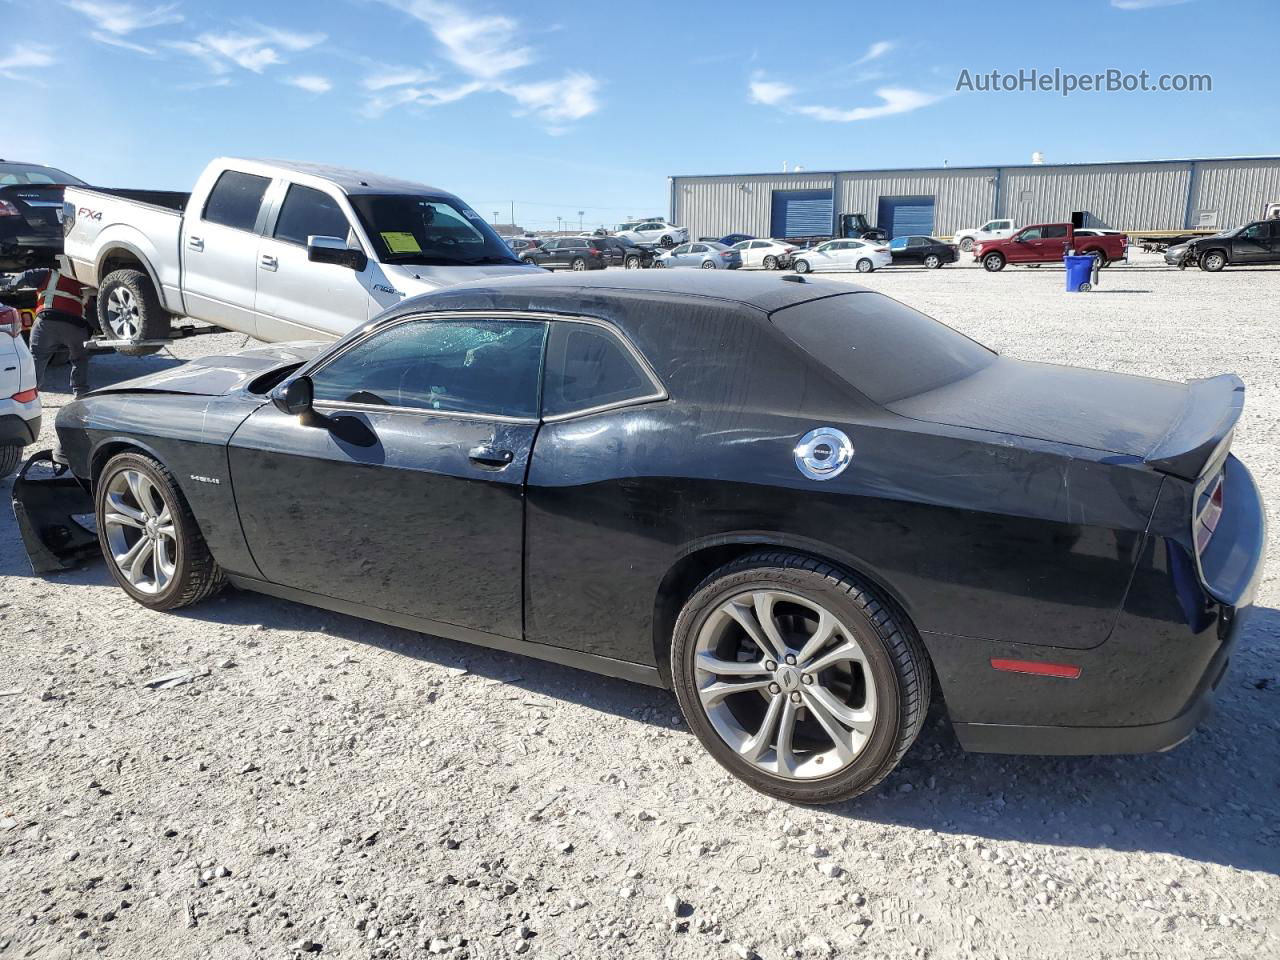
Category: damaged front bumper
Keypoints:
(47, 503)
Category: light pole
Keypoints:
(558, 219)
(579, 221)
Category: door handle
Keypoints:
(268, 262)
(195, 243)
(488, 456)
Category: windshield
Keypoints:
(883, 348)
(430, 231)
(11, 173)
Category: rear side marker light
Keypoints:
(1037, 668)
(25, 396)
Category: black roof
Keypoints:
(543, 290)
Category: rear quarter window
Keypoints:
(882, 348)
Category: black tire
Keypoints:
(152, 321)
(865, 266)
(632, 262)
(802, 266)
(1101, 257)
(578, 263)
(897, 661)
(658, 265)
(993, 262)
(966, 244)
(197, 575)
(1213, 261)
(10, 457)
(933, 261)
(771, 262)
(666, 241)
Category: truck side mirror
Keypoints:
(335, 250)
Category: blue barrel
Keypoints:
(1079, 271)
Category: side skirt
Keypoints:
(622, 669)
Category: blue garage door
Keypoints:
(801, 213)
(906, 216)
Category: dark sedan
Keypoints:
(798, 504)
(568, 253)
(31, 214)
(921, 251)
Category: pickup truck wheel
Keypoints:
(966, 244)
(1099, 256)
(129, 309)
(153, 547)
(1213, 261)
(993, 262)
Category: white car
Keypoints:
(768, 254)
(966, 240)
(19, 400)
(861, 255)
(653, 232)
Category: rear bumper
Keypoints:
(17, 430)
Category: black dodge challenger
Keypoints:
(800, 505)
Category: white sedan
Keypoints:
(20, 406)
(655, 232)
(769, 254)
(861, 255)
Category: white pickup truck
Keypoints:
(280, 251)
(969, 238)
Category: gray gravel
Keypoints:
(324, 786)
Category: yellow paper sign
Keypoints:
(398, 242)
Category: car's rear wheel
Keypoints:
(708, 264)
(933, 261)
(993, 262)
(1213, 261)
(798, 678)
(666, 241)
(153, 547)
(129, 309)
(578, 264)
(802, 266)
(966, 244)
(771, 263)
(865, 266)
(10, 457)
(632, 262)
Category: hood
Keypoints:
(1221, 235)
(412, 279)
(1110, 412)
(215, 376)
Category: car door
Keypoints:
(1252, 244)
(678, 256)
(1275, 241)
(297, 298)
(1053, 241)
(545, 255)
(220, 250)
(1024, 246)
(404, 490)
(750, 257)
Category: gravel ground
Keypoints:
(318, 784)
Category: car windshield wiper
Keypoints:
(423, 260)
(478, 261)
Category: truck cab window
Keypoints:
(235, 199)
(307, 212)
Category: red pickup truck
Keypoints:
(1047, 243)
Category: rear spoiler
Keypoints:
(1203, 431)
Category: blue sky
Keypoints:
(565, 107)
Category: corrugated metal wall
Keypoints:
(1236, 191)
(1147, 196)
(1123, 196)
(715, 206)
(964, 198)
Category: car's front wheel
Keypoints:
(802, 266)
(153, 547)
(993, 262)
(1213, 261)
(798, 678)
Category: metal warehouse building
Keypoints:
(1154, 195)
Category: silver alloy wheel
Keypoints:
(708, 264)
(932, 261)
(140, 531)
(632, 263)
(771, 263)
(1215, 262)
(966, 244)
(864, 266)
(579, 264)
(122, 314)
(785, 684)
(802, 266)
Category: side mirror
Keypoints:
(335, 250)
(297, 397)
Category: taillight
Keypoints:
(595, 253)
(727, 254)
(10, 321)
(1208, 514)
(7, 209)
(25, 396)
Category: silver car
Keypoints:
(708, 256)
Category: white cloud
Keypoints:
(1145, 4)
(24, 57)
(111, 40)
(121, 19)
(487, 49)
(770, 92)
(250, 51)
(875, 52)
(310, 82)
